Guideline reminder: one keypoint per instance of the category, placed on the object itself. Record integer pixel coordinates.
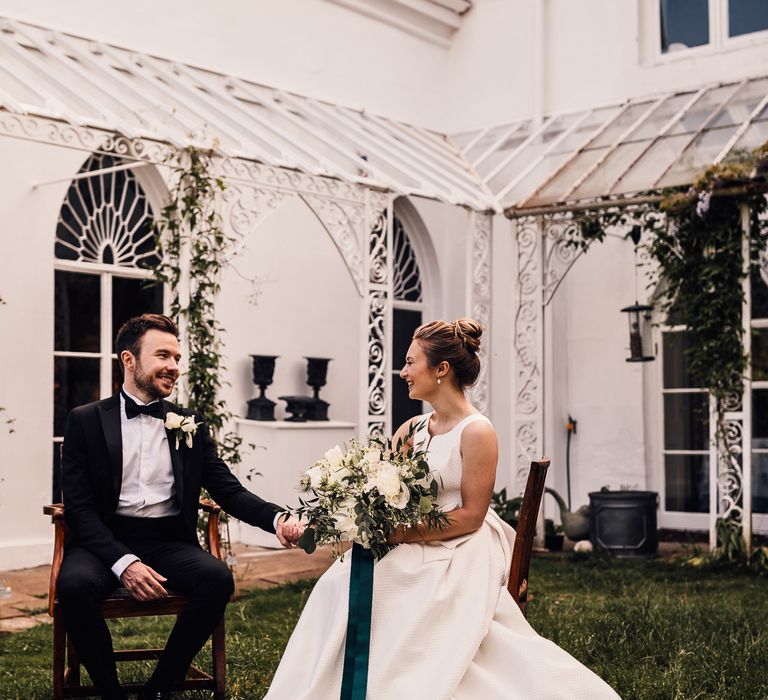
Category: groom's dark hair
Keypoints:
(132, 331)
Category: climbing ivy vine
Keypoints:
(694, 239)
(189, 222)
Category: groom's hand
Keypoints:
(288, 531)
(143, 582)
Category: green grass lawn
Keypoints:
(652, 629)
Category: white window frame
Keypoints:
(676, 519)
(719, 41)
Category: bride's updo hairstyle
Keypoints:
(456, 343)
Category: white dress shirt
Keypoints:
(147, 489)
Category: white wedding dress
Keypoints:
(443, 624)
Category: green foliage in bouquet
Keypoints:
(364, 494)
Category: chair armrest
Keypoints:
(212, 536)
(56, 511)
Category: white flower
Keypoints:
(173, 420)
(702, 206)
(315, 474)
(401, 500)
(373, 456)
(344, 518)
(387, 480)
(184, 427)
(336, 475)
(334, 456)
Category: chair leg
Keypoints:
(59, 652)
(73, 664)
(219, 664)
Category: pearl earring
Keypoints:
(439, 381)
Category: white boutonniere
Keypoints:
(184, 427)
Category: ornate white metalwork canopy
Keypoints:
(89, 84)
(617, 151)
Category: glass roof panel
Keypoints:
(739, 109)
(558, 156)
(699, 154)
(556, 144)
(600, 181)
(754, 137)
(650, 166)
(619, 125)
(18, 88)
(700, 111)
(658, 119)
(487, 140)
(511, 143)
(533, 150)
(465, 137)
(567, 177)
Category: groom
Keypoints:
(130, 498)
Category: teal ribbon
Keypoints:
(354, 681)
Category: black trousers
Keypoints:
(161, 544)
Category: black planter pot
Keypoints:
(623, 523)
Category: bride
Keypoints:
(443, 624)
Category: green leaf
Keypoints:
(307, 540)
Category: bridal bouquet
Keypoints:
(364, 492)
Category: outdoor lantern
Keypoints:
(639, 332)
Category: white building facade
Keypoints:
(370, 152)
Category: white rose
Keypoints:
(173, 420)
(334, 456)
(387, 480)
(345, 521)
(373, 456)
(401, 500)
(336, 475)
(315, 475)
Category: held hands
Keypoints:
(288, 531)
(143, 582)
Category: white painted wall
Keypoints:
(26, 351)
(308, 305)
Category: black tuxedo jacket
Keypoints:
(92, 472)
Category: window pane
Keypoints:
(686, 482)
(745, 16)
(676, 375)
(686, 421)
(404, 323)
(132, 297)
(759, 483)
(77, 304)
(75, 382)
(760, 418)
(759, 294)
(760, 354)
(684, 23)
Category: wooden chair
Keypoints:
(66, 667)
(526, 531)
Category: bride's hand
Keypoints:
(288, 532)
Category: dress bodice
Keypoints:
(444, 457)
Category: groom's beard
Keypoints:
(150, 384)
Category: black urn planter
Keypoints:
(262, 408)
(623, 523)
(317, 372)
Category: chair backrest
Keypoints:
(526, 531)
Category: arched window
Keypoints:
(407, 315)
(104, 252)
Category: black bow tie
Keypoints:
(132, 409)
